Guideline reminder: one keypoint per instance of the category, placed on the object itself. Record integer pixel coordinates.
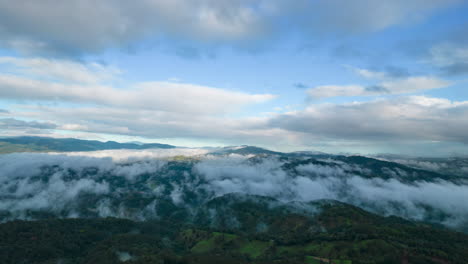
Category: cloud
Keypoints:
(300, 85)
(451, 58)
(127, 156)
(55, 194)
(64, 179)
(426, 165)
(159, 124)
(387, 73)
(366, 15)
(85, 83)
(389, 83)
(419, 121)
(451, 166)
(409, 85)
(401, 118)
(109, 24)
(444, 50)
(325, 91)
(119, 23)
(11, 123)
(124, 256)
(368, 73)
(61, 70)
(95, 105)
(181, 110)
(86, 184)
(333, 181)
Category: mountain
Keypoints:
(451, 165)
(240, 204)
(44, 144)
(143, 188)
(245, 150)
(6, 147)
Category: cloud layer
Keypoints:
(107, 184)
(108, 24)
(411, 118)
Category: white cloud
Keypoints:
(125, 156)
(368, 73)
(387, 85)
(325, 91)
(77, 127)
(61, 70)
(332, 181)
(65, 81)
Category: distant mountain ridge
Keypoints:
(376, 166)
(246, 150)
(36, 144)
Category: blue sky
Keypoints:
(357, 76)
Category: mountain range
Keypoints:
(77, 201)
(44, 144)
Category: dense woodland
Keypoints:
(340, 233)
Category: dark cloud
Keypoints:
(300, 85)
(377, 89)
(396, 72)
(415, 118)
(4, 111)
(456, 69)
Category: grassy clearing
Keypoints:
(204, 246)
(211, 243)
(311, 260)
(317, 260)
(254, 248)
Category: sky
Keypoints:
(339, 76)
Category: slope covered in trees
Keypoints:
(337, 232)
